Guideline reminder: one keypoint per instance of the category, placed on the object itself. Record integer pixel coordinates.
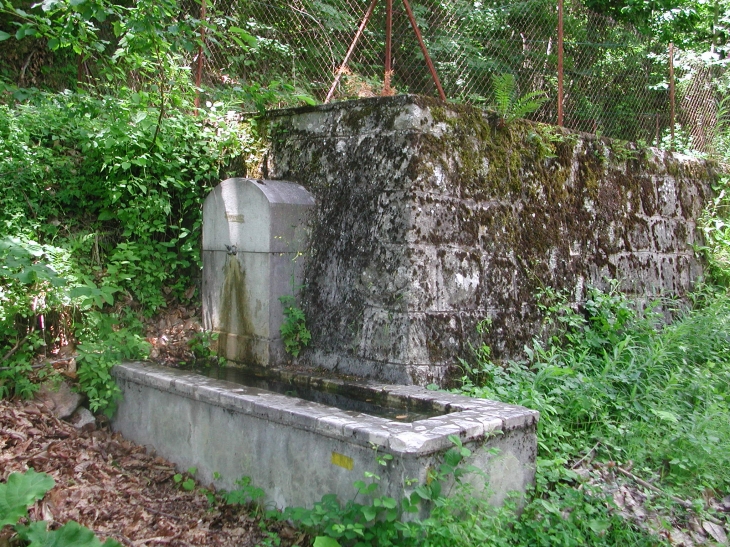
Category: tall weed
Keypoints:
(656, 395)
(715, 225)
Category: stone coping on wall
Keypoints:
(468, 418)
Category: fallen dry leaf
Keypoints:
(717, 532)
(113, 486)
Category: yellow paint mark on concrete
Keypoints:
(342, 460)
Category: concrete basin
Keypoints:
(299, 450)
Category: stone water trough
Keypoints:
(296, 449)
(299, 450)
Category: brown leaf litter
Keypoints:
(113, 486)
(171, 334)
(640, 502)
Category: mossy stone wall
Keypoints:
(431, 218)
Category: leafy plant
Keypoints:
(30, 288)
(245, 494)
(200, 344)
(123, 221)
(613, 377)
(186, 483)
(23, 489)
(294, 330)
(376, 520)
(106, 340)
(715, 225)
(508, 105)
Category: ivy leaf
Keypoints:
(324, 541)
(4, 35)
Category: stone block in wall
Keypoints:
(691, 199)
(668, 198)
(432, 218)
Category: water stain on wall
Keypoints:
(236, 328)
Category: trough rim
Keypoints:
(472, 420)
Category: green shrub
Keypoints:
(90, 175)
(558, 514)
(106, 340)
(31, 286)
(715, 224)
(294, 331)
(102, 207)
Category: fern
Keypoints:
(507, 104)
(527, 104)
(504, 90)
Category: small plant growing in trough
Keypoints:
(294, 330)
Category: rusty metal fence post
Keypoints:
(199, 70)
(560, 62)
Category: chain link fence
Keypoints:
(616, 80)
(697, 104)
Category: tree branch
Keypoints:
(162, 98)
(16, 347)
(684, 503)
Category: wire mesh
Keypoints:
(616, 81)
(615, 78)
(697, 107)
